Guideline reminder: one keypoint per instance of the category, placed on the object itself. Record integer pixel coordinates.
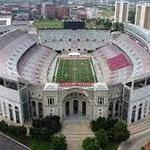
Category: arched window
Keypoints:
(67, 108)
(17, 114)
(84, 108)
(40, 110)
(111, 109)
(33, 109)
(117, 108)
(133, 114)
(11, 112)
(140, 111)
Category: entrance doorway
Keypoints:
(67, 108)
(84, 108)
(75, 106)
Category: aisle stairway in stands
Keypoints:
(76, 129)
(140, 126)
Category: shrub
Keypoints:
(101, 139)
(45, 134)
(4, 126)
(35, 133)
(38, 123)
(120, 132)
(50, 122)
(58, 143)
(89, 144)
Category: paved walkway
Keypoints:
(136, 141)
(7, 144)
(75, 131)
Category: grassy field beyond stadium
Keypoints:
(74, 71)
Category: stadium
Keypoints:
(84, 73)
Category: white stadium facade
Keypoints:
(121, 63)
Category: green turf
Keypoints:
(74, 71)
(49, 24)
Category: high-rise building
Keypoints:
(48, 10)
(121, 11)
(142, 17)
(62, 12)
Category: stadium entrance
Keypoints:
(75, 104)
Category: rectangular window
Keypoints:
(5, 109)
(139, 84)
(50, 101)
(2, 82)
(148, 81)
(101, 100)
(17, 117)
(126, 94)
(11, 85)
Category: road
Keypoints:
(136, 141)
(8, 144)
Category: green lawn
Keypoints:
(49, 24)
(38, 144)
(74, 71)
(93, 25)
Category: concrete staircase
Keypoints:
(76, 131)
(140, 126)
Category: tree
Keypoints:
(120, 132)
(101, 139)
(3, 126)
(38, 123)
(118, 27)
(121, 27)
(131, 16)
(142, 148)
(107, 24)
(100, 123)
(58, 143)
(89, 144)
(45, 134)
(52, 123)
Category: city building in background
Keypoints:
(48, 10)
(62, 12)
(121, 11)
(142, 17)
(5, 18)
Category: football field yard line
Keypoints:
(75, 71)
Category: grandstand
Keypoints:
(74, 72)
(69, 40)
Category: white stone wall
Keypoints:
(12, 97)
(139, 96)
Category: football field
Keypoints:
(74, 71)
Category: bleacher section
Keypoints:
(116, 65)
(136, 52)
(74, 40)
(13, 45)
(34, 63)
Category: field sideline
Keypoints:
(74, 71)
